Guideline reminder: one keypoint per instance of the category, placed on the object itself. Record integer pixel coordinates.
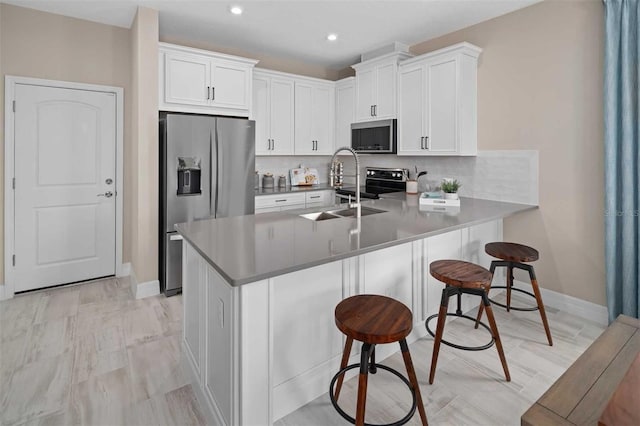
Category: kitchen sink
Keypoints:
(364, 211)
(318, 216)
(336, 214)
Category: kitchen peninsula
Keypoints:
(259, 293)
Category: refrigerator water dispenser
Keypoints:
(189, 176)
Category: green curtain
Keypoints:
(622, 156)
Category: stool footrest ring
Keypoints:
(347, 417)
(453, 345)
(493, 302)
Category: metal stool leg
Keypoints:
(442, 317)
(406, 355)
(362, 383)
(496, 335)
(543, 314)
(509, 285)
(343, 364)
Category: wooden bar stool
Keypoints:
(463, 278)
(372, 320)
(514, 255)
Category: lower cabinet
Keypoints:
(293, 201)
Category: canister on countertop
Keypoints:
(282, 181)
(257, 181)
(267, 181)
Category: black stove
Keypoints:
(379, 181)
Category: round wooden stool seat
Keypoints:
(512, 252)
(458, 273)
(374, 319)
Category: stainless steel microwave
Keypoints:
(374, 137)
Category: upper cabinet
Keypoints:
(437, 102)
(273, 112)
(314, 117)
(199, 81)
(345, 111)
(375, 85)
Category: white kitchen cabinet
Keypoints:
(314, 118)
(199, 81)
(345, 111)
(273, 112)
(292, 201)
(319, 198)
(279, 202)
(376, 87)
(437, 102)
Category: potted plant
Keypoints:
(450, 188)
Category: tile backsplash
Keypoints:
(508, 175)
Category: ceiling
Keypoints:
(293, 29)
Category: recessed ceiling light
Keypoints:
(236, 10)
(332, 37)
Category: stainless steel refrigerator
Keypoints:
(207, 167)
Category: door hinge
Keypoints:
(14, 106)
(14, 260)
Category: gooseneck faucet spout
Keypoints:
(332, 175)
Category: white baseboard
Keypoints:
(144, 289)
(572, 305)
(124, 270)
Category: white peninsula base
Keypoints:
(258, 351)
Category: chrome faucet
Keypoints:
(332, 176)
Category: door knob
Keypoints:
(107, 194)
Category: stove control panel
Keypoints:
(378, 173)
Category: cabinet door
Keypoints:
(187, 79)
(321, 119)
(441, 114)
(411, 110)
(365, 94)
(345, 113)
(385, 105)
(230, 85)
(304, 144)
(282, 116)
(261, 108)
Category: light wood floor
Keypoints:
(92, 355)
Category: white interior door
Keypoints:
(65, 189)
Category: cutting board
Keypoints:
(304, 176)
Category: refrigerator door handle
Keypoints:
(217, 159)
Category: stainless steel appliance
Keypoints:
(374, 137)
(207, 168)
(379, 180)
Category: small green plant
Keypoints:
(450, 186)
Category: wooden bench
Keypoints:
(581, 395)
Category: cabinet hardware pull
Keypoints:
(375, 110)
(213, 93)
(421, 142)
(371, 110)
(315, 196)
(273, 144)
(280, 201)
(208, 90)
(426, 138)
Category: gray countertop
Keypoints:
(245, 249)
(289, 189)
